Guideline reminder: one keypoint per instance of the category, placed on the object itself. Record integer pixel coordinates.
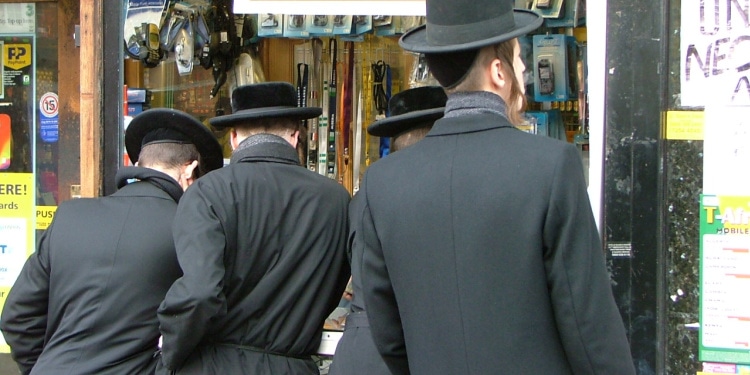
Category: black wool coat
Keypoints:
(262, 243)
(356, 352)
(481, 256)
(86, 300)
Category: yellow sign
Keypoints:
(685, 125)
(44, 215)
(16, 230)
(16, 56)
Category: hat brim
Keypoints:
(395, 125)
(415, 40)
(157, 118)
(233, 119)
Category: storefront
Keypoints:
(65, 102)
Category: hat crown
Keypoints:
(263, 95)
(417, 99)
(462, 25)
(263, 100)
(167, 125)
(451, 22)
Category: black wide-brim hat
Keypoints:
(410, 109)
(264, 100)
(164, 125)
(454, 26)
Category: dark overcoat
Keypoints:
(482, 257)
(85, 301)
(356, 352)
(262, 243)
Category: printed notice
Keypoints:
(685, 125)
(714, 51)
(16, 230)
(725, 279)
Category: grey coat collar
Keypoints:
(469, 124)
(265, 147)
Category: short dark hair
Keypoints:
(280, 126)
(170, 156)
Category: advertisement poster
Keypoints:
(714, 42)
(16, 230)
(2, 68)
(17, 59)
(17, 18)
(725, 279)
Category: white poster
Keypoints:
(13, 249)
(714, 43)
(726, 150)
(17, 18)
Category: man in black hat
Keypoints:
(413, 113)
(86, 300)
(262, 244)
(481, 254)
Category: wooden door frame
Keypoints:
(91, 68)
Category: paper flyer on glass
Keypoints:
(725, 279)
(16, 230)
(714, 42)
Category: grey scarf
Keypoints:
(474, 102)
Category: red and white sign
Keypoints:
(49, 104)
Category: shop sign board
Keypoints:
(332, 7)
(714, 43)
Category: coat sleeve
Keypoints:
(195, 299)
(24, 317)
(587, 317)
(380, 300)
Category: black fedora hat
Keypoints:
(454, 26)
(264, 100)
(166, 125)
(410, 109)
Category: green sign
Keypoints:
(725, 279)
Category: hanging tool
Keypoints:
(358, 146)
(331, 162)
(220, 52)
(380, 99)
(345, 171)
(324, 101)
(302, 84)
(314, 89)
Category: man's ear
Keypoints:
(233, 139)
(498, 76)
(189, 171)
(294, 138)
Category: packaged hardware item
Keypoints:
(554, 67)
